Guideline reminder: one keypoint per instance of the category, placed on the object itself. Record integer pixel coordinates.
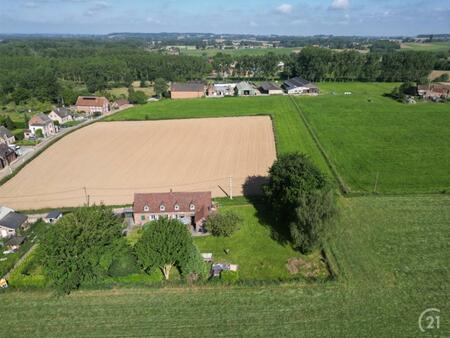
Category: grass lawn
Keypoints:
(391, 269)
(290, 132)
(367, 135)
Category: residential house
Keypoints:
(7, 155)
(6, 136)
(53, 216)
(61, 115)
(92, 105)
(245, 89)
(41, 122)
(11, 222)
(299, 86)
(270, 88)
(191, 208)
(434, 91)
(187, 90)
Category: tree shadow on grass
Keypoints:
(252, 189)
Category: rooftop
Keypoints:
(170, 199)
(5, 132)
(40, 119)
(269, 86)
(13, 220)
(91, 101)
(187, 87)
(298, 82)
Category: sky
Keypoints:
(286, 17)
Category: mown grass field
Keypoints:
(290, 132)
(368, 135)
(391, 269)
(438, 46)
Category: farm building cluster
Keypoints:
(197, 89)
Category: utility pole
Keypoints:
(231, 187)
(376, 182)
(86, 196)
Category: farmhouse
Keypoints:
(245, 89)
(11, 222)
(6, 136)
(43, 123)
(299, 86)
(7, 155)
(434, 91)
(187, 90)
(60, 115)
(53, 216)
(270, 88)
(92, 105)
(191, 208)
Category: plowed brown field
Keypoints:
(109, 162)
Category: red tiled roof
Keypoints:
(201, 201)
(91, 101)
(39, 120)
(187, 87)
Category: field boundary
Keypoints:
(342, 186)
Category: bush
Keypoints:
(124, 265)
(229, 276)
(223, 224)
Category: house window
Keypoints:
(146, 208)
(177, 207)
(162, 207)
(192, 206)
(142, 217)
(153, 217)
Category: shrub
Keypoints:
(124, 265)
(224, 224)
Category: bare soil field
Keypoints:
(108, 162)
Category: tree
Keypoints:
(39, 133)
(137, 97)
(160, 86)
(224, 224)
(166, 243)
(301, 198)
(81, 247)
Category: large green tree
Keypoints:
(166, 243)
(81, 247)
(301, 197)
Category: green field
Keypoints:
(443, 46)
(239, 52)
(368, 135)
(390, 271)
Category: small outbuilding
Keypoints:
(53, 216)
(6, 136)
(245, 89)
(15, 242)
(270, 88)
(187, 90)
(300, 86)
(7, 155)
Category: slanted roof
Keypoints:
(170, 199)
(5, 151)
(40, 119)
(62, 112)
(297, 82)
(53, 214)
(266, 86)
(122, 102)
(187, 87)
(4, 211)
(13, 220)
(244, 86)
(16, 240)
(5, 132)
(91, 101)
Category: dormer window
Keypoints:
(177, 207)
(162, 207)
(146, 208)
(192, 206)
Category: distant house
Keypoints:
(62, 115)
(11, 222)
(191, 208)
(53, 216)
(222, 89)
(187, 90)
(92, 105)
(245, 89)
(270, 88)
(434, 91)
(121, 103)
(299, 86)
(41, 122)
(7, 155)
(15, 242)
(6, 136)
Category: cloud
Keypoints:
(285, 9)
(340, 4)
